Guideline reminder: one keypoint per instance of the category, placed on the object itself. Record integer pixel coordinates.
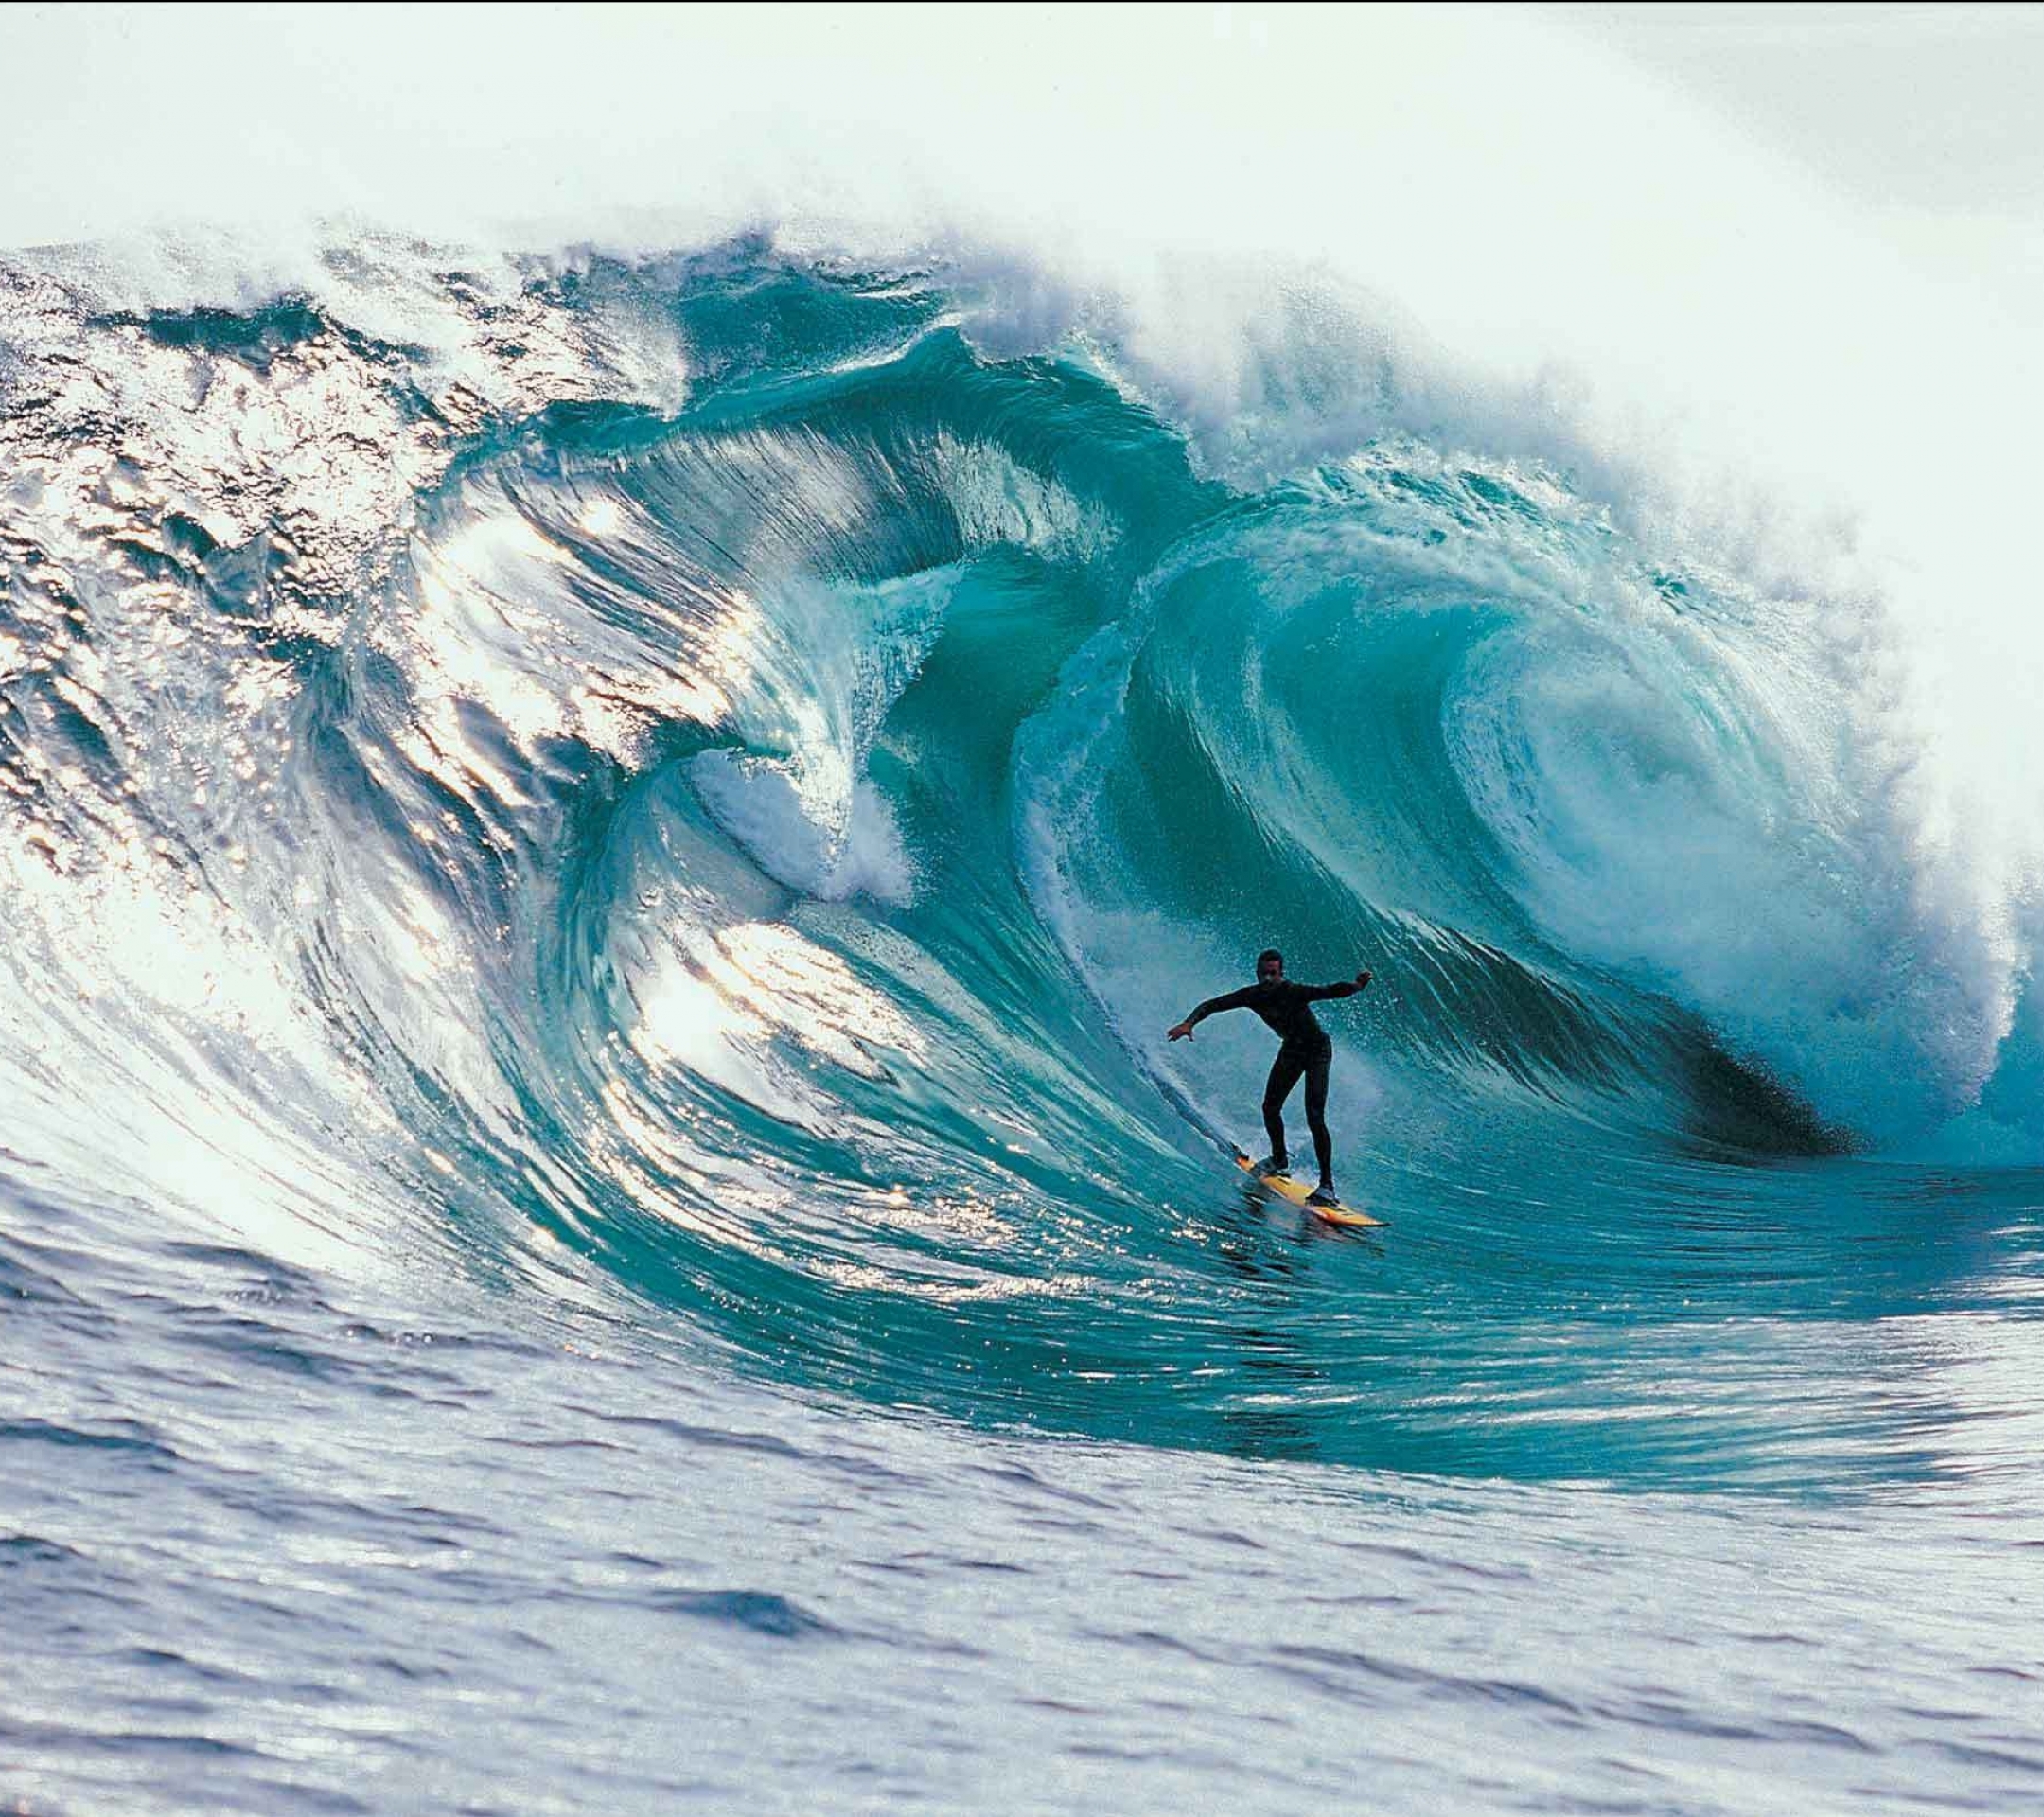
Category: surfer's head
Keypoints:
(1269, 966)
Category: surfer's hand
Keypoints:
(1362, 977)
(1182, 1032)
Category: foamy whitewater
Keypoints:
(602, 821)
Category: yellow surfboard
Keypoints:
(1346, 1216)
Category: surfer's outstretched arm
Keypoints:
(1348, 987)
(1213, 1006)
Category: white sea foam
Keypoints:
(758, 800)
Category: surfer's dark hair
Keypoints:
(1269, 952)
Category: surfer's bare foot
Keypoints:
(1322, 1194)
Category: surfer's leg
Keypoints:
(1284, 1074)
(1323, 1144)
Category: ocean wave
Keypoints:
(712, 776)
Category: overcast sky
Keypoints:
(1926, 108)
(1906, 107)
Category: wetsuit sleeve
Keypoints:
(1320, 992)
(1214, 1005)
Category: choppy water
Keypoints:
(594, 1212)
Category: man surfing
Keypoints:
(1304, 1051)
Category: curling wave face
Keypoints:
(699, 789)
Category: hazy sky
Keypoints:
(1929, 107)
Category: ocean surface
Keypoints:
(594, 1212)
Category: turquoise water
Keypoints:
(594, 1210)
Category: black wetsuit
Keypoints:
(1285, 1009)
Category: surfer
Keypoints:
(1304, 1051)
